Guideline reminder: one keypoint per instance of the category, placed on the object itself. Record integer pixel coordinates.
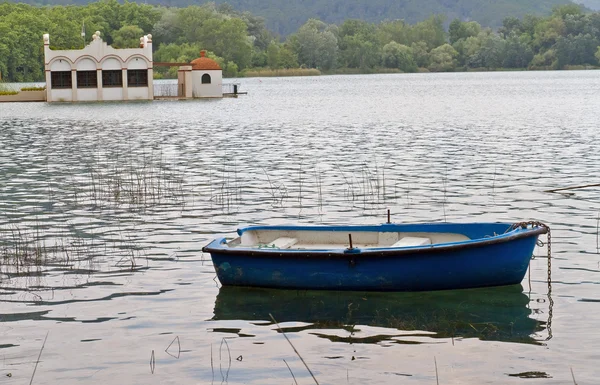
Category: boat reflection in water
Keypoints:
(498, 314)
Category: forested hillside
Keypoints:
(240, 42)
(592, 4)
(286, 16)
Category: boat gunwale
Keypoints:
(216, 246)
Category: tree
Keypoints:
(259, 58)
(315, 45)
(459, 30)
(566, 10)
(517, 53)
(127, 37)
(431, 31)
(174, 53)
(396, 30)
(358, 44)
(598, 54)
(443, 58)
(510, 25)
(398, 56)
(273, 56)
(545, 60)
(547, 32)
(168, 28)
(228, 38)
(287, 58)
(575, 50)
(420, 53)
(490, 52)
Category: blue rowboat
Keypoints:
(387, 257)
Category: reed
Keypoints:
(152, 362)
(225, 187)
(437, 378)
(178, 348)
(494, 183)
(23, 249)
(319, 186)
(277, 191)
(300, 182)
(292, 373)
(362, 71)
(138, 180)
(38, 359)
(256, 73)
(573, 376)
(226, 375)
(348, 185)
(372, 186)
(294, 348)
(598, 233)
(445, 191)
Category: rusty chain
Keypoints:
(524, 225)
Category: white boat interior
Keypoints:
(319, 240)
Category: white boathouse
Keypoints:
(202, 78)
(99, 72)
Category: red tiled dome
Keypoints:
(204, 63)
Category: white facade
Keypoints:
(99, 72)
(207, 83)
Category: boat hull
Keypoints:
(494, 262)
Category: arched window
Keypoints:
(206, 79)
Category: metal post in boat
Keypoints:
(350, 238)
(389, 217)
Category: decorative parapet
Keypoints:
(98, 50)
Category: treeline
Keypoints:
(285, 17)
(240, 41)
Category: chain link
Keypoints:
(524, 225)
(550, 300)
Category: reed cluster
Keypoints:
(137, 180)
(363, 71)
(23, 249)
(256, 73)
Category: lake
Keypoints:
(104, 209)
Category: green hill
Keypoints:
(591, 4)
(286, 16)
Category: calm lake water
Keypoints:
(119, 198)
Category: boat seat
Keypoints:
(283, 243)
(412, 241)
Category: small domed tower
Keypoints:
(207, 77)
